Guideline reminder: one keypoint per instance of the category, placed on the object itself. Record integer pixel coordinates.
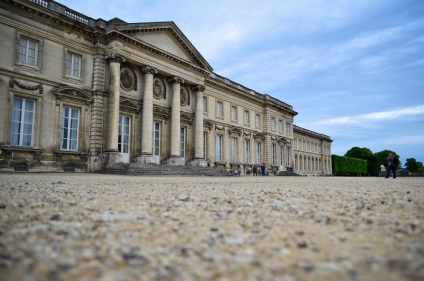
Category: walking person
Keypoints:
(391, 166)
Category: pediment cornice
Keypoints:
(130, 29)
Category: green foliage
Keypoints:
(347, 166)
(381, 158)
(360, 153)
(412, 165)
(365, 154)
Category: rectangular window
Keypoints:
(204, 145)
(281, 156)
(205, 105)
(73, 65)
(288, 129)
(219, 148)
(273, 124)
(28, 51)
(156, 139)
(183, 142)
(219, 109)
(274, 152)
(124, 135)
(288, 157)
(22, 122)
(233, 113)
(280, 126)
(258, 121)
(246, 151)
(69, 132)
(246, 118)
(233, 150)
(258, 152)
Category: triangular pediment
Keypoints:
(165, 37)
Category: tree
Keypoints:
(412, 165)
(365, 154)
(381, 158)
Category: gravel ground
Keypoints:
(106, 227)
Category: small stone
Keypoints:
(184, 197)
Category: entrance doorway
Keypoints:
(183, 137)
(124, 137)
(156, 142)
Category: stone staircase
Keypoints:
(288, 173)
(136, 169)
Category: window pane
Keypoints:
(74, 113)
(29, 105)
(16, 116)
(17, 103)
(28, 118)
(74, 123)
(27, 128)
(14, 139)
(74, 134)
(26, 140)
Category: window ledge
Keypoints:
(59, 152)
(11, 148)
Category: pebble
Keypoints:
(108, 227)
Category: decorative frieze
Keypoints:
(161, 112)
(13, 82)
(259, 136)
(235, 130)
(220, 128)
(71, 92)
(207, 124)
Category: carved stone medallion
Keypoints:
(158, 89)
(184, 97)
(127, 79)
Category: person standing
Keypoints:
(263, 167)
(391, 166)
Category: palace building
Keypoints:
(91, 93)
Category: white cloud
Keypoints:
(368, 118)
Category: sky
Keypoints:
(353, 70)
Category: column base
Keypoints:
(147, 159)
(175, 161)
(109, 159)
(198, 163)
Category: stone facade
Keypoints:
(85, 94)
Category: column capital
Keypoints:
(114, 57)
(176, 80)
(198, 88)
(149, 70)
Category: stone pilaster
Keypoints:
(97, 112)
(147, 121)
(175, 159)
(112, 124)
(198, 128)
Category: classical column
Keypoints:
(113, 102)
(175, 159)
(198, 128)
(147, 122)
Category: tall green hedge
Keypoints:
(347, 166)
